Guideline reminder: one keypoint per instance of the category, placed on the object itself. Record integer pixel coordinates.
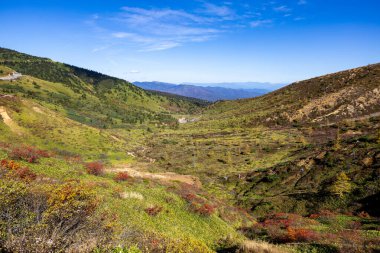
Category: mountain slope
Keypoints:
(305, 183)
(304, 160)
(330, 98)
(201, 92)
(87, 96)
(91, 163)
(66, 143)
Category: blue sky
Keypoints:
(196, 40)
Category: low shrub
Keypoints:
(94, 168)
(286, 227)
(122, 176)
(25, 174)
(28, 153)
(10, 164)
(301, 235)
(197, 203)
(189, 196)
(202, 209)
(153, 210)
(35, 218)
(70, 200)
(16, 171)
(364, 215)
(76, 159)
(285, 220)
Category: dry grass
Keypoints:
(132, 195)
(260, 247)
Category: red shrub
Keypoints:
(27, 153)
(4, 163)
(314, 216)
(15, 169)
(42, 153)
(94, 168)
(285, 220)
(26, 174)
(10, 164)
(4, 145)
(154, 210)
(203, 209)
(197, 204)
(356, 225)
(288, 227)
(305, 235)
(185, 189)
(189, 197)
(327, 213)
(276, 234)
(122, 176)
(291, 236)
(364, 215)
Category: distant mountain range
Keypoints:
(212, 91)
(242, 85)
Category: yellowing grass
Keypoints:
(260, 247)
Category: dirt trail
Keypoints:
(38, 110)
(8, 120)
(165, 177)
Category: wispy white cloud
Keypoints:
(258, 23)
(221, 11)
(282, 8)
(156, 29)
(299, 18)
(162, 29)
(98, 49)
(132, 37)
(302, 2)
(138, 16)
(160, 45)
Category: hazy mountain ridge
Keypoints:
(205, 92)
(242, 85)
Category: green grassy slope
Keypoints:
(80, 116)
(87, 96)
(283, 152)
